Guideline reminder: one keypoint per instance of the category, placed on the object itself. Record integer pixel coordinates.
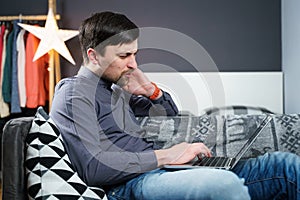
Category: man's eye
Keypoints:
(122, 56)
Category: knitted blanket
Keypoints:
(225, 134)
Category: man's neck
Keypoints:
(95, 69)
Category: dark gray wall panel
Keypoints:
(239, 35)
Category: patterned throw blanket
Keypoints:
(225, 134)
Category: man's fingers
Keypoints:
(204, 150)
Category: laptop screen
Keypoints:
(252, 138)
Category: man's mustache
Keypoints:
(127, 72)
(123, 80)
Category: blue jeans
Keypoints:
(272, 176)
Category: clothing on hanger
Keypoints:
(21, 67)
(7, 71)
(4, 107)
(36, 73)
(15, 99)
(2, 31)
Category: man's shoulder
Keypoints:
(65, 82)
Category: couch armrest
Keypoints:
(13, 157)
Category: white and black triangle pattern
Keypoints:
(49, 172)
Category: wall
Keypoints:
(238, 35)
(290, 54)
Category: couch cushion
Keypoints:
(237, 110)
(49, 171)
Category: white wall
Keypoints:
(291, 54)
(196, 92)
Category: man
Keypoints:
(95, 112)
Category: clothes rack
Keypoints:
(27, 17)
(54, 67)
(51, 4)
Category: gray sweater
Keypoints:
(97, 121)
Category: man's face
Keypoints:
(118, 61)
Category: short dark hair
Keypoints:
(106, 28)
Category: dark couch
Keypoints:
(281, 134)
(13, 157)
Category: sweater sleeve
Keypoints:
(164, 106)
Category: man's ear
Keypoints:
(92, 55)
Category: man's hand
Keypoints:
(138, 84)
(181, 153)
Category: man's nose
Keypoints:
(132, 62)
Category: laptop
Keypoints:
(226, 163)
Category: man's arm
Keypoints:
(156, 102)
(147, 99)
(163, 106)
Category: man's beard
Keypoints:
(120, 80)
(123, 80)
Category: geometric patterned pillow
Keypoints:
(49, 172)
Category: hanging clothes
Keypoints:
(23, 83)
(4, 107)
(15, 100)
(7, 71)
(21, 68)
(2, 31)
(36, 73)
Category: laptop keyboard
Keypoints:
(214, 161)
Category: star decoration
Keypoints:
(51, 38)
